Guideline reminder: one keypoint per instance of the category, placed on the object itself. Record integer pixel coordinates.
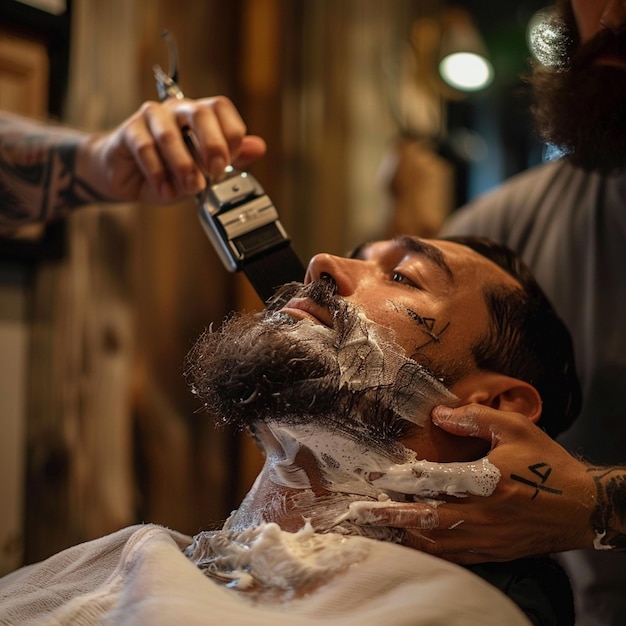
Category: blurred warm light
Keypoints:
(462, 52)
(466, 71)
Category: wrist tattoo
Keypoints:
(38, 179)
(608, 519)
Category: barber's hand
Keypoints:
(542, 503)
(145, 158)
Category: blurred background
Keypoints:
(365, 139)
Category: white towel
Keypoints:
(140, 576)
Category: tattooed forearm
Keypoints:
(38, 180)
(609, 516)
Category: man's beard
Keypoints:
(581, 107)
(353, 377)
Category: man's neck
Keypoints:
(312, 476)
(317, 476)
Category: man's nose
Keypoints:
(614, 14)
(345, 272)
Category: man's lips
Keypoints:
(304, 308)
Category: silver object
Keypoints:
(238, 217)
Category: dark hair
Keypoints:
(526, 339)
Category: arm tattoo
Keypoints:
(38, 179)
(609, 516)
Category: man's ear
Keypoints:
(500, 392)
(520, 397)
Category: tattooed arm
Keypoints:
(546, 500)
(38, 179)
(609, 515)
(46, 171)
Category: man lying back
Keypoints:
(336, 380)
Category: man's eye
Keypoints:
(398, 277)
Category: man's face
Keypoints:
(362, 348)
(430, 293)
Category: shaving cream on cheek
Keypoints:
(351, 464)
(369, 358)
(368, 363)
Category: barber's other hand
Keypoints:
(146, 159)
(542, 503)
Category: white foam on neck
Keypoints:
(265, 558)
(350, 467)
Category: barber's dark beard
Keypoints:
(581, 107)
(268, 367)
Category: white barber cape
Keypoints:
(139, 575)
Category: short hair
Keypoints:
(526, 339)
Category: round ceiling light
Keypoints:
(466, 71)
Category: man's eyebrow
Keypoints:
(419, 246)
(415, 245)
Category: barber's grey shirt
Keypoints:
(570, 227)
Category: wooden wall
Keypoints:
(24, 70)
(113, 433)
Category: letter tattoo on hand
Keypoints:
(542, 471)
